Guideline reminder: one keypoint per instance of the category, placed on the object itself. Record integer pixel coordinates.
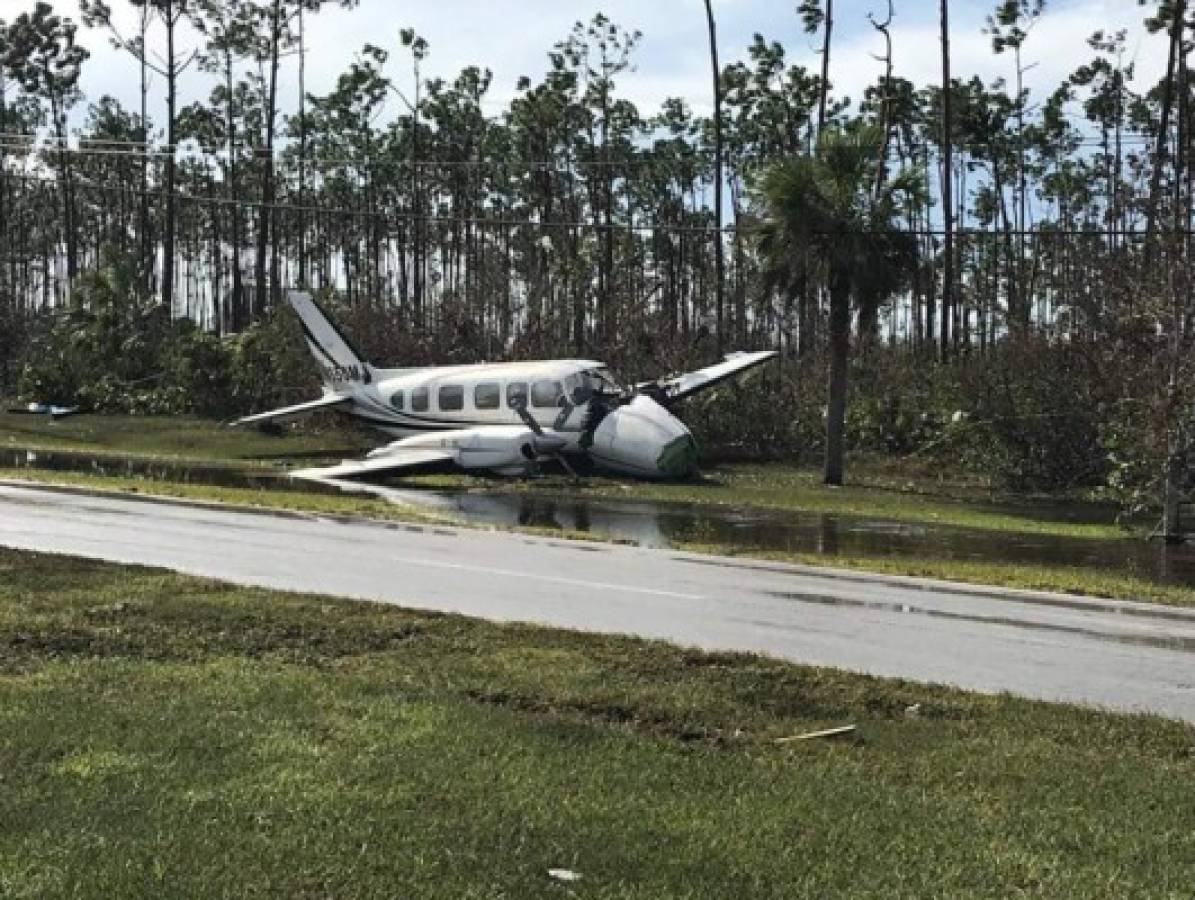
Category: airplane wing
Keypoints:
(328, 401)
(681, 386)
(47, 409)
(397, 459)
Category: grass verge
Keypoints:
(169, 736)
(181, 438)
(297, 500)
(1079, 581)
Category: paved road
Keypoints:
(1127, 656)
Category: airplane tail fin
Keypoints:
(338, 360)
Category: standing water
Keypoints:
(673, 524)
(649, 524)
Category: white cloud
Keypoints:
(1056, 46)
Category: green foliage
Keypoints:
(113, 350)
(198, 364)
(269, 365)
(106, 343)
(895, 409)
(1134, 463)
(776, 414)
(41, 54)
(1029, 415)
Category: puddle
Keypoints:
(1162, 641)
(668, 525)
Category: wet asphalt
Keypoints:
(1120, 655)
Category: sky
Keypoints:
(512, 37)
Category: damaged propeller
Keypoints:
(544, 444)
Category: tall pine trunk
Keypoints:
(947, 184)
(840, 346)
(236, 303)
(67, 194)
(144, 238)
(266, 213)
(826, 37)
(1159, 156)
(719, 250)
(171, 137)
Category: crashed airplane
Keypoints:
(504, 418)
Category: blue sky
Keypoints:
(512, 36)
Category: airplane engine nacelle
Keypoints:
(495, 447)
(502, 448)
(642, 438)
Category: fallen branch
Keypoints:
(825, 733)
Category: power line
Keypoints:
(642, 228)
(102, 148)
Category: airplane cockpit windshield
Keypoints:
(601, 381)
(580, 388)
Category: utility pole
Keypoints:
(719, 256)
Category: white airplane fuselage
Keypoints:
(433, 407)
(502, 417)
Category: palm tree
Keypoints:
(822, 216)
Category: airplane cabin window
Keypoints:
(515, 391)
(486, 395)
(546, 394)
(396, 400)
(451, 397)
(419, 399)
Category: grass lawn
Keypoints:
(169, 736)
(175, 438)
(1076, 580)
(296, 500)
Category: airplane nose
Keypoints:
(642, 438)
(679, 457)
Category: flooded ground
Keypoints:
(672, 524)
(669, 525)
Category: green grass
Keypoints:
(169, 736)
(296, 500)
(1076, 580)
(182, 438)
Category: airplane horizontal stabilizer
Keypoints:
(328, 401)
